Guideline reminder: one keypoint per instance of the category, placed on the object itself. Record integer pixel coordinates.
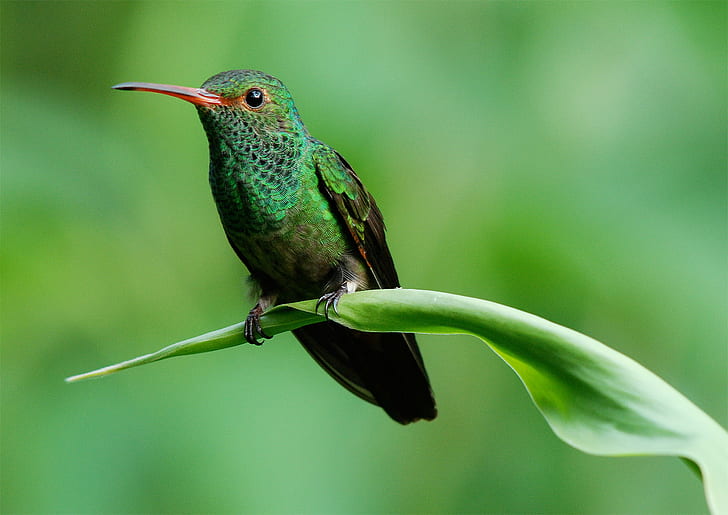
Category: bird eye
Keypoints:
(254, 98)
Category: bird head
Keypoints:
(236, 100)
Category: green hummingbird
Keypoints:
(304, 225)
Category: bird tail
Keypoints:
(385, 369)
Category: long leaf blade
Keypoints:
(593, 397)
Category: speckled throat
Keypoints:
(254, 173)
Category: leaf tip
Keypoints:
(77, 378)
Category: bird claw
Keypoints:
(331, 300)
(252, 329)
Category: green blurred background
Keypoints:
(565, 158)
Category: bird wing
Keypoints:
(359, 213)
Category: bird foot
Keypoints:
(252, 329)
(331, 299)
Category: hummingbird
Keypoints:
(304, 225)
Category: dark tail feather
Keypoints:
(385, 369)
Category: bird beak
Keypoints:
(197, 96)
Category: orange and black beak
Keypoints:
(197, 96)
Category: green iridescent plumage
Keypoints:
(305, 226)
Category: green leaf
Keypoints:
(594, 398)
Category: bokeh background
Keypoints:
(565, 158)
